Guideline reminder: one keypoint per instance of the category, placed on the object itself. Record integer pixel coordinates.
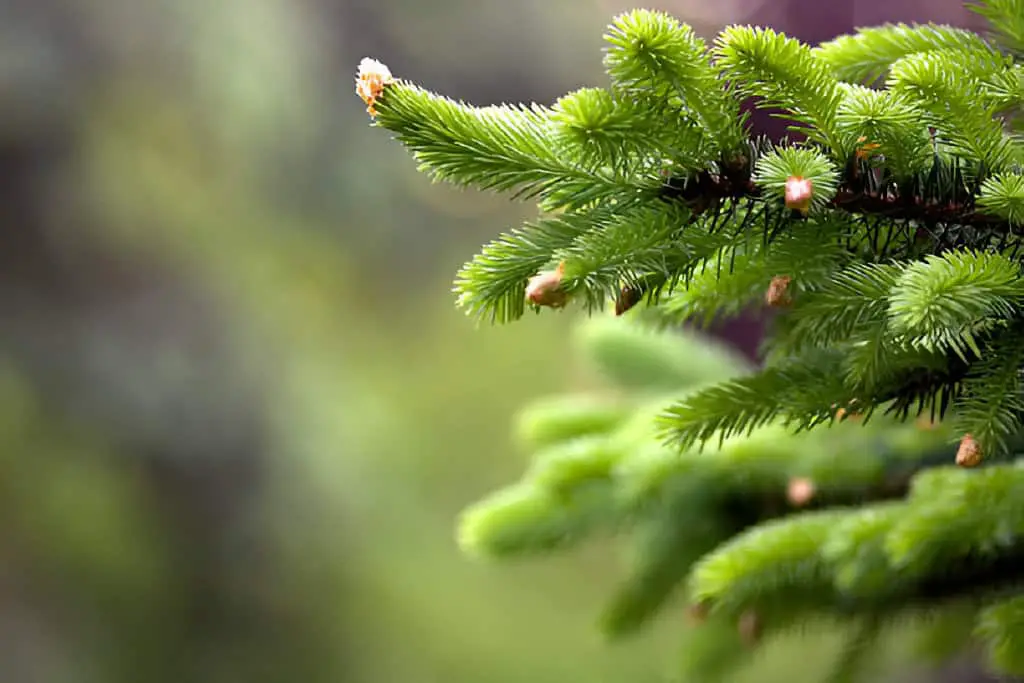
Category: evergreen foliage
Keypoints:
(887, 236)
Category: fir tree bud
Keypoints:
(750, 628)
(544, 288)
(800, 491)
(847, 412)
(969, 454)
(698, 612)
(798, 194)
(777, 295)
(370, 82)
(866, 149)
(629, 296)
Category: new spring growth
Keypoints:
(798, 194)
(371, 79)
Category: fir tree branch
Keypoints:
(656, 240)
(856, 650)
(663, 554)
(890, 556)
(852, 301)
(991, 405)
(501, 148)
(947, 298)
(800, 392)
(523, 520)
(893, 122)
(889, 244)
(1001, 627)
(493, 284)
(1006, 19)
(958, 108)
(635, 134)
(785, 74)
(1003, 195)
(865, 57)
(651, 52)
(935, 197)
(737, 275)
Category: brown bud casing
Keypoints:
(697, 612)
(800, 491)
(969, 454)
(777, 295)
(750, 628)
(544, 288)
(629, 297)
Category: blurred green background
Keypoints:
(239, 412)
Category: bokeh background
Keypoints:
(239, 412)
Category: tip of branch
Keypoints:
(371, 79)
